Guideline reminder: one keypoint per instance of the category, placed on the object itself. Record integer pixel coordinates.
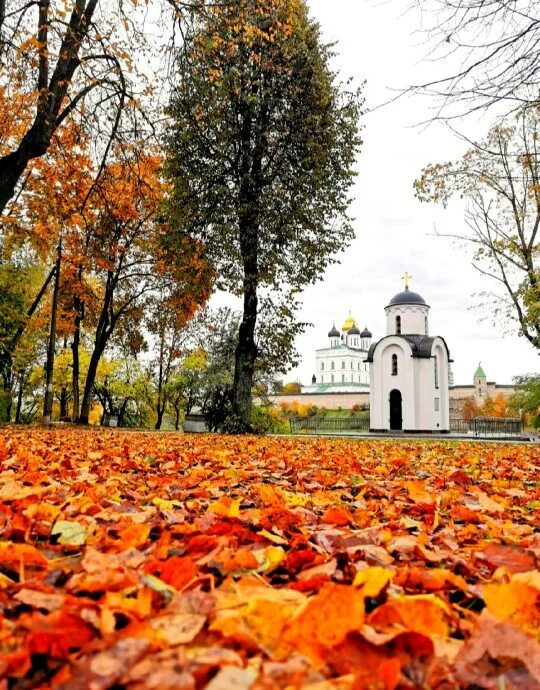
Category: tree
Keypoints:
(470, 409)
(260, 155)
(126, 257)
(499, 406)
(526, 398)
(488, 407)
(292, 388)
(497, 46)
(499, 179)
(56, 57)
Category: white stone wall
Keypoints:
(415, 380)
(413, 319)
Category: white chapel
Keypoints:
(409, 370)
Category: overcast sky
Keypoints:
(379, 43)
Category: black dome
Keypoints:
(353, 331)
(407, 297)
(366, 334)
(334, 333)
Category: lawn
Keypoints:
(143, 560)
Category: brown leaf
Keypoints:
(499, 656)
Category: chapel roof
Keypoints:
(407, 297)
(421, 346)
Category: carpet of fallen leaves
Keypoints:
(132, 560)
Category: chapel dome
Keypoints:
(353, 331)
(348, 324)
(333, 333)
(407, 297)
(366, 333)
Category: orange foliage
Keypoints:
(266, 563)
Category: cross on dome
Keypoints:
(406, 278)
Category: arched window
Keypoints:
(342, 378)
(343, 364)
(436, 372)
(394, 364)
(322, 366)
(332, 378)
(425, 324)
(332, 365)
(352, 364)
(398, 325)
(359, 365)
(322, 379)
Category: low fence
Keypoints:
(329, 424)
(487, 426)
(482, 427)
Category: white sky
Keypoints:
(378, 43)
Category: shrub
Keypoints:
(268, 420)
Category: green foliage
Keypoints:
(526, 398)
(260, 156)
(267, 420)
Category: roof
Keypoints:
(353, 331)
(407, 297)
(366, 333)
(333, 333)
(421, 346)
(479, 373)
(349, 323)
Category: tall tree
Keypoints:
(260, 153)
(495, 45)
(499, 179)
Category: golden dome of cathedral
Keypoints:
(349, 323)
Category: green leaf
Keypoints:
(71, 533)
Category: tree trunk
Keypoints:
(90, 380)
(64, 397)
(160, 404)
(177, 418)
(19, 399)
(77, 304)
(49, 368)
(160, 409)
(246, 350)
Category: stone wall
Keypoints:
(333, 401)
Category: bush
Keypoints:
(268, 420)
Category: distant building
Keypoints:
(409, 370)
(480, 389)
(341, 367)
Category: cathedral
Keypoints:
(342, 366)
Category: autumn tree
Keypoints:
(127, 264)
(495, 45)
(470, 409)
(499, 179)
(260, 153)
(499, 406)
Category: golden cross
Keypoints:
(406, 279)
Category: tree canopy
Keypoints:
(260, 156)
(499, 179)
(495, 45)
